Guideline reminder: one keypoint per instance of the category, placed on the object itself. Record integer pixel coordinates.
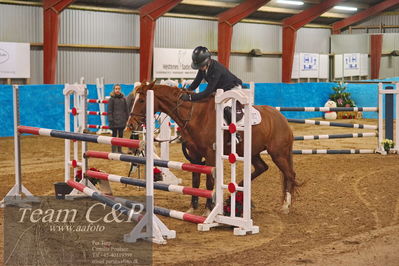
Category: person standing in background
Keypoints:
(118, 114)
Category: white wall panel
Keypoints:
(185, 33)
(358, 43)
(36, 65)
(247, 36)
(257, 69)
(98, 28)
(114, 66)
(21, 23)
(311, 40)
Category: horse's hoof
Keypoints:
(285, 210)
(206, 213)
(191, 210)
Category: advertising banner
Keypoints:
(14, 60)
(173, 63)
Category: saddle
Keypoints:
(227, 113)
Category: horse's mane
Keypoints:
(174, 90)
(166, 90)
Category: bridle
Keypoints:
(175, 110)
(142, 120)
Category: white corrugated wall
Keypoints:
(185, 33)
(390, 64)
(21, 23)
(24, 24)
(114, 66)
(313, 40)
(353, 43)
(98, 28)
(248, 36)
(267, 38)
(36, 65)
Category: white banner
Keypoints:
(351, 61)
(309, 65)
(14, 60)
(173, 63)
(348, 65)
(309, 62)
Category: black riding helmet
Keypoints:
(200, 56)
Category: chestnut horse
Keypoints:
(197, 122)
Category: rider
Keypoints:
(217, 76)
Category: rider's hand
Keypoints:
(186, 97)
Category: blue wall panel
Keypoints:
(43, 105)
(293, 95)
(6, 110)
(312, 95)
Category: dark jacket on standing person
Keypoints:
(217, 76)
(117, 111)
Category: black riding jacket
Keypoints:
(217, 76)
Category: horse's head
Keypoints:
(166, 100)
(138, 111)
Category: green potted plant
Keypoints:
(343, 99)
(388, 144)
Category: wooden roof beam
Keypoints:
(149, 13)
(291, 25)
(227, 20)
(265, 8)
(372, 11)
(51, 22)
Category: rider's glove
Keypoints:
(186, 97)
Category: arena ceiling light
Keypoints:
(346, 8)
(296, 3)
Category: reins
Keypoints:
(175, 110)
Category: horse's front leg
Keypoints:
(210, 181)
(194, 199)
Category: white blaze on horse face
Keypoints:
(131, 111)
(134, 103)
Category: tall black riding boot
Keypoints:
(227, 114)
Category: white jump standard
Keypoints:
(243, 225)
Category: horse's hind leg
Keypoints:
(283, 160)
(259, 167)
